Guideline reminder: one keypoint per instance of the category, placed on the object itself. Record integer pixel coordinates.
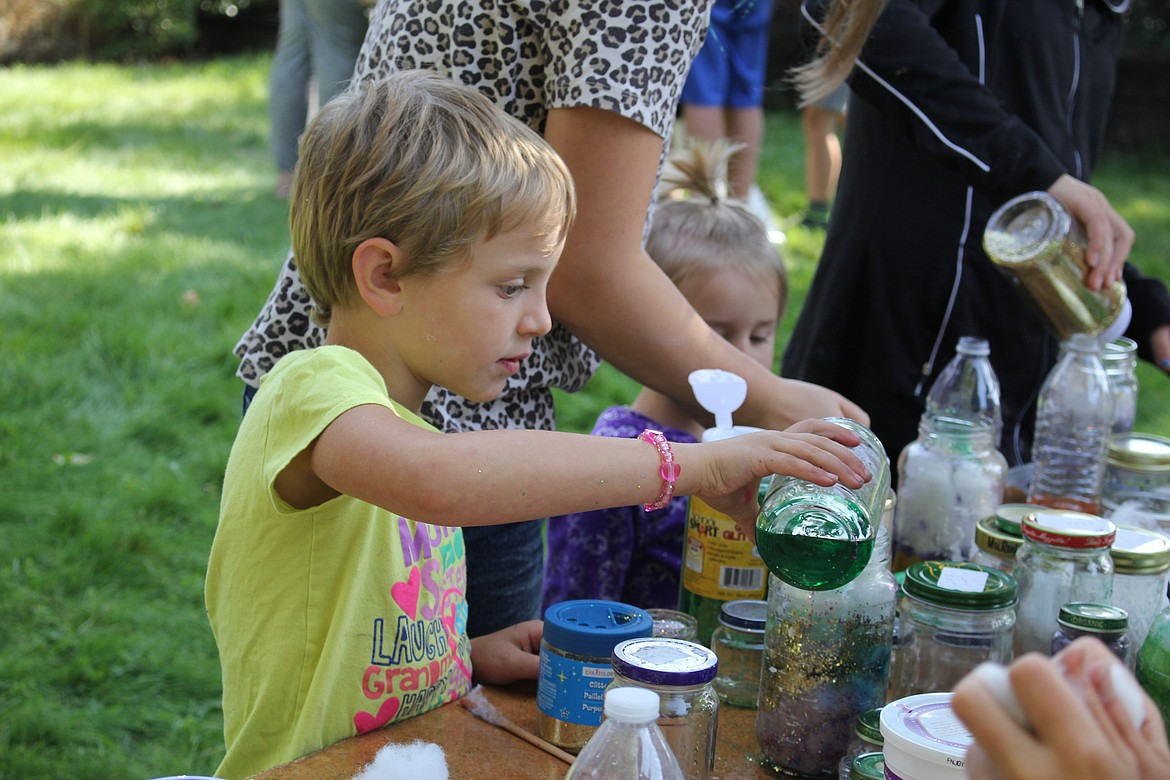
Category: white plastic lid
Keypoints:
(925, 728)
(631, 705)
(1116, 329)
(719, 392)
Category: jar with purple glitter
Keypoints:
(826, 660)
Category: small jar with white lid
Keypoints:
(681, 673)
(924, 739)
(1064, 558)
(738, 640)
(1141, 562)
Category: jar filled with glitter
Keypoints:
(1136, 462)
(681, 673)
(1064, 558)
(1106, 623)
(739, 643)
(826, 659)
(575, 666)
(954, 617)
(673, 624)
(867, 740)
(948, 478)
(1120, 360)
(1141, 562)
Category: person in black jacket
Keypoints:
(958, 106)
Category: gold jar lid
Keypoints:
(1139, 551)
(1139, 452)
(994, 540)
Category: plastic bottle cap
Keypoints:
(631, 705)
(591, 627)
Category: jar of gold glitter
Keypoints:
(826, 660)
(575, 666)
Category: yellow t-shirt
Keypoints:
(334, 620)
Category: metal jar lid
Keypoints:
(1009, 517)
(922, 583)
(1139, 551)
(591, 627)
(869, 726)
(1097, 618)
(868, 766)
(744, 614)
(1068, 529)
(993, 540)
(1144, 452)
(663, 661)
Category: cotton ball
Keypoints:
(417, 761)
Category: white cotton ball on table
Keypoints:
(417, 761)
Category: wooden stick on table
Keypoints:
(477, 703)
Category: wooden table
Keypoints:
(477, 749)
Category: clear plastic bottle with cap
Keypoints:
(720, 563)
(826, 659)
(629, 745)
(968, 388)
(1074, 417)
(1120, 360)
(1141, 563)
(1064, 558)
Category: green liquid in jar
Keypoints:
(817, 549)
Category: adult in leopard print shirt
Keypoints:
(600, 79)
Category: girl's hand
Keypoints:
(508, 655)
(1110, 237)
(732, 468)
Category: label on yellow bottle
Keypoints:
(720, 561)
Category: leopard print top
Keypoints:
(626, 56)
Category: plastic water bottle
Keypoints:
(968, 389)
(1074, 418)
(629, 745)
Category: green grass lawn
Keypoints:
(138, 237)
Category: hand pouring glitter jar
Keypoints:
(1039, 242)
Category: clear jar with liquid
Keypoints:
(1064, 558)
(954, 616)
(826, 659)
(948, 478)
(681, 673)
(739, 643)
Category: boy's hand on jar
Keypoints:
(508, 655)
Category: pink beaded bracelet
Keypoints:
(669, 470)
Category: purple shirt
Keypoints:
(622, 554)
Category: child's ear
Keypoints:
(376, 262)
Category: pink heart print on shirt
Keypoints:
(364, 721)
(406, 593)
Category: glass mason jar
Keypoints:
(1140, 510)
(948, 478)
(739, 643)
(1108, 624)
(1064, 558)
(1141, 561)
(954, 617)
(995, 547)
(867, 739)
(1120, 360)
(826, 659)
(817, 537)
(681, 673)
(1136, 462)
